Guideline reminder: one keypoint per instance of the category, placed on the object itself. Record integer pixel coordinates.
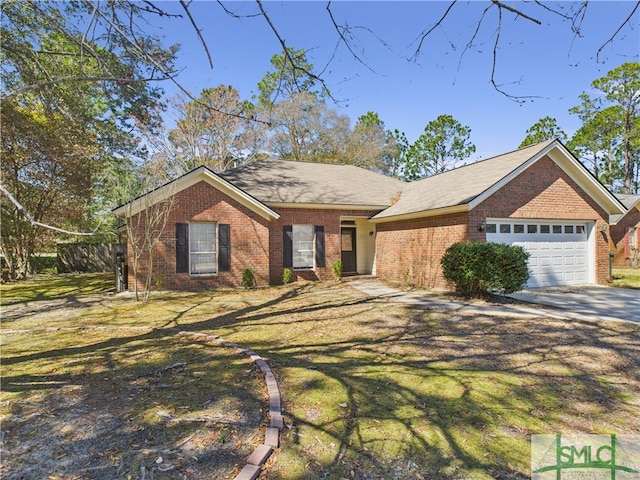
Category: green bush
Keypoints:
(43, 263)
(479, 268)
(248, 278)
(337, 269)
(286, 276)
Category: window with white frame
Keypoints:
(203, 257)
(633, 231)
(302, 239)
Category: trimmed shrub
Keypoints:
(286, 276)
(479, 268)
(248, 278)
(337, 269)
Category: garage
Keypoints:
(559, 250)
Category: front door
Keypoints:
(348, 242)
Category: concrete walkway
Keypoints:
(578, 303)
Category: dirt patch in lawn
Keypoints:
(125, 402)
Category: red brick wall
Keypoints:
(545, 191)
(328, 218)
(255, 242)
(620, 238)
(249, 242)
(409, 252)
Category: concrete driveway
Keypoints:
(589, 302)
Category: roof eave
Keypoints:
(191, 178)
(325, 206)
(621, 217)
(422, 214)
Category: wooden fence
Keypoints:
(88, 257)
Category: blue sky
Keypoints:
(548, 61)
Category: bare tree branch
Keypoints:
(153, 8)
(198, 32)
(339, 29)
(518, 13)
(473, 37)
(168, 75)
(287, 54)
(424, 35)
(549, 9)
(35, 223)
(610, 40)
(234, 14)
(498, 88)
(55, 81)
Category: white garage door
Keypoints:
(559, 253)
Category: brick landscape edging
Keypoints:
(272, 434)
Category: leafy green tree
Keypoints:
(370, 145)
(444, 143)
(46, 167)
(291, 73)
(302, 127)
(69, 100)
(596, 144)
(621, 87)
(611, 126)
(544, 129)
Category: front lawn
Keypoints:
(626, 278)
(370, 389)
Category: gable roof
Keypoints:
(199, 174)
(281, 183)
(464, 188)
(630, 202)
(267, 184)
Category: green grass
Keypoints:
(50, 286)
(626, 278)
(370, 389)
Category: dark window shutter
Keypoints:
(319, 246)
(287, 240)
(182, 247)
(224, 247)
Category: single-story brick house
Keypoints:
(275, 214)
(625, 233)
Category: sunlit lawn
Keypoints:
(372, 389)
(626, 277)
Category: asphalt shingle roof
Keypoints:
(280, 181)
(460, 185)
(629, 201)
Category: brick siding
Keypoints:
(620, 238)
(409, 252)
(256, 243)
(249, 242)
(545, 191)
(330, 219)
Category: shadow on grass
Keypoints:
(429, 395)
(375, 390)
(49, 287)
